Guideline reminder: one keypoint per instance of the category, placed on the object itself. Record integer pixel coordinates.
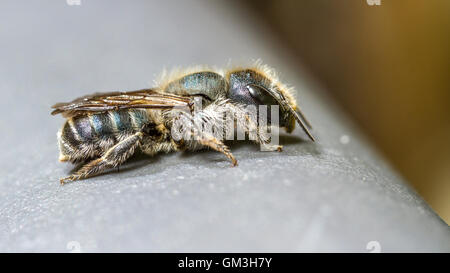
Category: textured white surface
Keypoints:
(329, 196)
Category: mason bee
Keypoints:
(103, 130)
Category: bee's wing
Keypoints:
(100, 102)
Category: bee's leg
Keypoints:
(272, 148)
(115, 156)
(217, 145)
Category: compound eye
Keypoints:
(261, 95)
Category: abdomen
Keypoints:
(90, 135)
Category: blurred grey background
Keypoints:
(335, 195)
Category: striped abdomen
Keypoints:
(90, 135)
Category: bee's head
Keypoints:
(259, 87)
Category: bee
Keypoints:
(103, 130)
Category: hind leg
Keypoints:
(115, 156)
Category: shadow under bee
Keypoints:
(115, 124)
(139, 160)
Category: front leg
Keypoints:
(195, 135)
(115, 156)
